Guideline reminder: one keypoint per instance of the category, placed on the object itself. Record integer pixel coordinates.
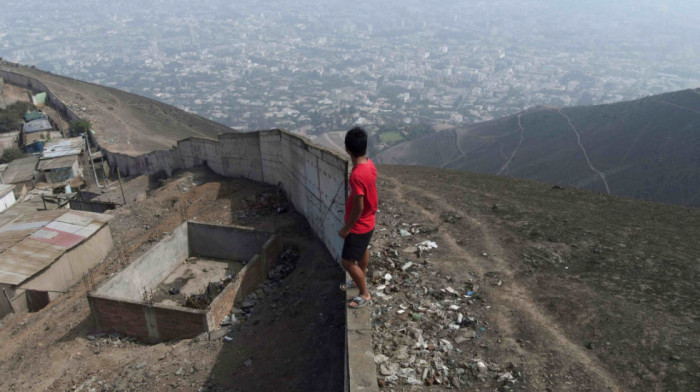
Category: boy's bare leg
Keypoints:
(358, 276)
(363, 262)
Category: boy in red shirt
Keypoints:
(360, 211)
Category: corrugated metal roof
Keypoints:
(20, 170)
(38, 125)
(57, 163)
(31, 243)
(61, 148)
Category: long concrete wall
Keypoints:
(314, 179)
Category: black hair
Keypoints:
(356, 142)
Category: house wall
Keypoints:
(6, 292)
(150, 269)
(73, 265)
(7, 201)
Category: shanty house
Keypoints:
(37, 129)
(59, 160)
(43, 253)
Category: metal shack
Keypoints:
(43, 253)
(59, 160)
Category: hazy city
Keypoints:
(313, 68)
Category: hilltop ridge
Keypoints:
(645, 149)
(124, 122)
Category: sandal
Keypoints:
(349, 284)
(360, 301)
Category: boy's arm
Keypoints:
(358, 204)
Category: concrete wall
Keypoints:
(156, 323)
(73, 265)
(314, 178)
(150, 269)
(224, 242)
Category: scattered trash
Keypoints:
(174, 291)
(426, 245)
(404, 233)
(406, 266)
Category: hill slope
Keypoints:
(647, 149)
(125, 122)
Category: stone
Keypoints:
(404, 233)
(481, 367)
(410, 249)
(466, 335)
(381, 383)
(140, 365)
(178, 372)
(248, 362)
(380, 358)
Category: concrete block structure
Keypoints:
(122, 304)
(44, 253)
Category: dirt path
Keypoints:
(513, 305)
(462, 154)
(680, 106)
(522, 134)
(585, 154)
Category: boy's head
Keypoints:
(356, 142)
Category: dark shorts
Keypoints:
(355, 245)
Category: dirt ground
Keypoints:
(59, 349)
(572, 290)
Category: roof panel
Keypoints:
(66, 227)
(76, 219)
(61, 238)
(60, 148)
(12, 278)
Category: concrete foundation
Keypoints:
(123, 304)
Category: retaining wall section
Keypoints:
(314, 179)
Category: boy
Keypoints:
(360, 211)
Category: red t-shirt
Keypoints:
(363, 182)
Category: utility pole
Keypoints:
(87, 142)
(2, 92)
(121, 186)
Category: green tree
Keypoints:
(12, 117)
(10, 154)
(79, 126)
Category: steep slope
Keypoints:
(647, 148)
(124, 122)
